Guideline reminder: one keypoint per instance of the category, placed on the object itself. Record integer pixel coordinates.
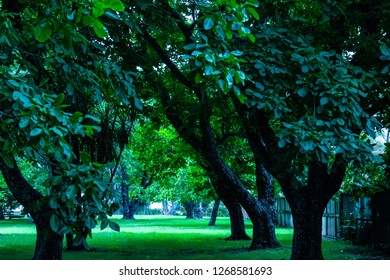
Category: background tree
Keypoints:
(190, 114)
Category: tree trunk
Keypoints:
(165, 206)
(133, 207)
(189, 206)
(48, 244)
(1, 213)
(173, 209)
(307, 205)
(125, 194)
(214, 213)
(237, 225)
(307, 237)
(198, 210)
(125, 201)
(263, 235)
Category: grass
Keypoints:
(167, 238)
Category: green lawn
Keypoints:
(161, 237)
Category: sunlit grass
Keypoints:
(165, 238)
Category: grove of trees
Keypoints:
(237, 97)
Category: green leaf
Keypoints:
(281, 143)
(385, 70)
(71, 191)
(90, 223)
(116, 5)
(251, 38)
(98, 10)
(114, 226)
(305, 69)
(57, 131)
(302, 92)
(260, 86)
(54, 223)
(53, 204)
(198, 78)
(36, 131)
(104, 224)
(384, 49)
(13, 83)
(71, 16)
(138, 104)
(208, 23)
(85, 158)
(60, 98)
(340, 121)
(100, 30)
(24, 122)
(324, 100)
(253, 12)
(43, 32)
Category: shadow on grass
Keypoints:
(169, 238)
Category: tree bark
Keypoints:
(198, 210)
(1, 213)
(263, 228)
(165, 205)
(308, 204)
(189, 206)
(48, 243)
(258, 210)
(125, 194)
(132, 208)
(237, 225)
(214, 212)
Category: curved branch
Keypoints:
(24, 193)
(169, 63)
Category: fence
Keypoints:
(334, 215)
(284, 213)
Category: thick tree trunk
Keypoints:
(237, 225)
(307, 237)
(307, 205)
(133, 207)
(214, 212)
(189, 206)
(263, 235)
(48, 243)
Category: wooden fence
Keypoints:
(336, 212)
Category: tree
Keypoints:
(191, 113)
(52, 55)
(303, 113)
(299, 82)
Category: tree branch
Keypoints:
(17, 184)
(169, 63)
